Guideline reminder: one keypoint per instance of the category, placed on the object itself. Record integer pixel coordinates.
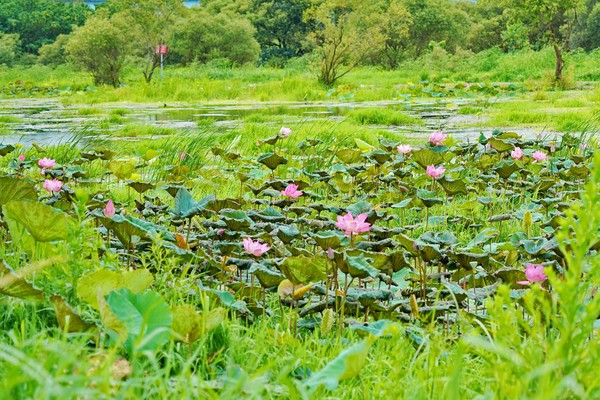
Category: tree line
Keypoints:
(336, 35)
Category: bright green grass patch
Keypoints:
(519, 118)
(265, 118)
(10, 119)
(469, 110)
(556, 120)
(88, 111)
(119, 112)
(136, 130)
(382, 116)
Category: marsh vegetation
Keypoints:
(319, 199)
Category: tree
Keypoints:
(395, 28)
(151, 23)
(554, 19)
(587, 33)
(436, 21)
(39, 22)
(9, 44)
(346, 33)
(203, 37)
(101, 46)
(281, 30)
(488, 24)
(54, 54)
(229, 7)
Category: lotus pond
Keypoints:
(300, 264)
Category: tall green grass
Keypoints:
(208, 83)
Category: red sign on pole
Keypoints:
(161, 49)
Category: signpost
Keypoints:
(161, 49)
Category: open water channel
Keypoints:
(49, 122)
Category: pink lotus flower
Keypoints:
(46, 163)
(353, 226)
(437, 138)
(330, 253)
(221, 232)
(53, 185)
(517, 153)
(285, 132)
(404, 148)
(255, 248)
(291, 191)
(434, 172)
(533, 273)
(539, 155)
(22, 157)
(109, 211)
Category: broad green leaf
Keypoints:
(186, 207)
(466, 258)
(188, 325)
(360, 267)
(287, 233)
(146, 317)
(271, 140)
(403, 204)
(16, 189)
(453, 186)
(328, 239)
(130, 230)
(42, 222)
(150, 154)
(346, 365)
(362, 207)
(272, 160)
(6, 149)
(13, 285)
(105, 281)
(302, 270)
(267, 277)
(506, 168)
(444, 237)
(368, 297)
(121, 169)
(364, 146)
(408, 243)
(286, 289)
(141, 187)
(500, 145)
(428, 198)
(67, 318)
(426, 157)
(379, 156)
(348, 156)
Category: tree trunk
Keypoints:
(149, 71)
(560, 63)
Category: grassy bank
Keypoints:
(436, 74)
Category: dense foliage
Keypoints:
(152, 256)
(39, 22)
(334, 35)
